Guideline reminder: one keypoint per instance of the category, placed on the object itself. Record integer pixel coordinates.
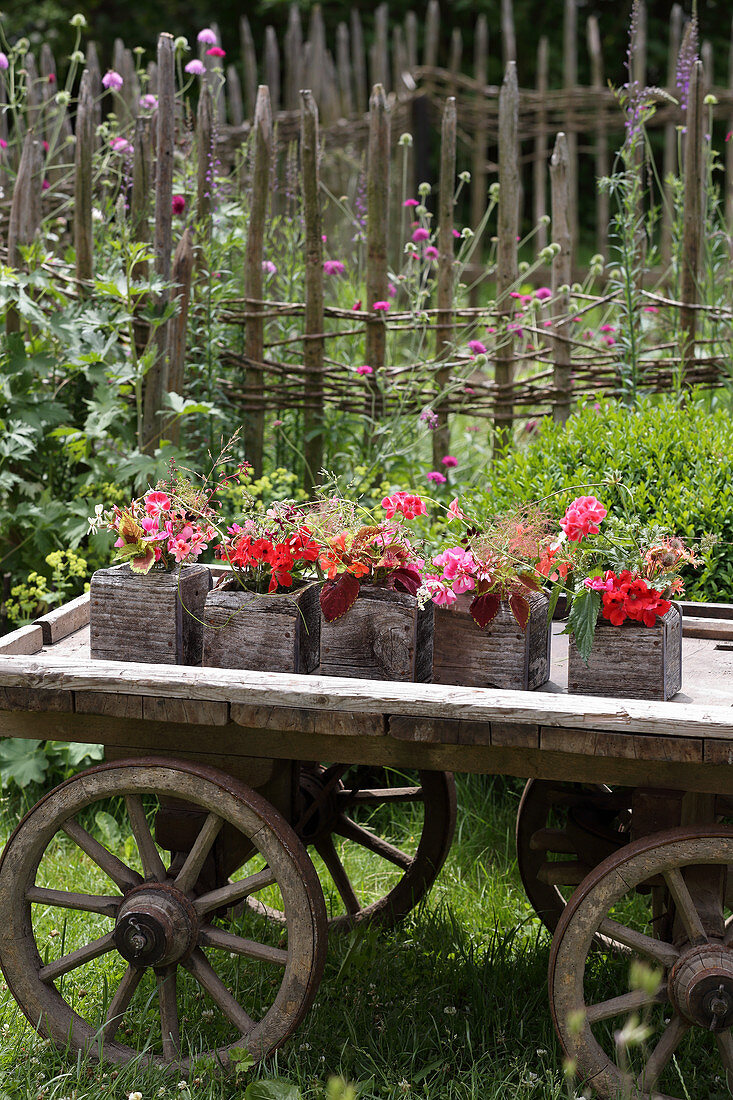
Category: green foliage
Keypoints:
(39, 593)
(24, 761)
(582, 620)
(661, 463)
(272, 1088)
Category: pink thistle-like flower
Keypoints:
(216, 51)
(269, 267)
(516, 328)
(600, 584)
(178, 204)
(120, 145)
(3, 143)
(381, 307)
(531, 426)
(112, 81)
(431, 252)
(420, 234)
(51, 78)
(4, 63)
(356, 306)
(490, 329)
(477, 347)
(333, 267)
(148, 102)
(365, 369)
(391, 289)
(278, 423)
(610, 340)
(206, 37)
(543, 293)
(437, 477)
(45, 185)
(195, 68)
(651, 309)
(607, 328)
(448, 460)
(515, 294)
(407, 202)
(456, 233)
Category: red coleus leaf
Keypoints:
(530, 581)
(338, 595)
(519, 605)
(484, 609)
(406, 579)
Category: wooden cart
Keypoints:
(235, 774)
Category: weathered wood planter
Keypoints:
(157, 618)
(384, 636)
(631, 661)
(278, 633)
(500, 655)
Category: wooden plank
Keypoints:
(721, 629)
(25, 640)
(434, 731)
(36, 699)
(65, 620)
(308, 721)
(524, 735)
(255, 771)
(102, 703)
(345, 695)
(717, 752)
(200, 712)
(629, 746)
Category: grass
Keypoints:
(450, 1005)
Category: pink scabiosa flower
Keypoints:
(477, 347)
(365, 369)
(206, 37)
(356, 306)
(333, 267)
(45, 185)
(148, 102)
(216, 51)
(407, 202)
(4, 63)
(112, 81)
(391, 289)
(543, 293)
(3, 143)
(456, 234)
(431, 252)
(607, 328)
(120, 145)
(420, 234)
(195, 68)
(178, 204)
(381, 307)
(448, 460)
(437, 477)
(269, 267)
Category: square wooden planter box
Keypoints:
(631, 661)
(384, 636)
(155, 618)
(500, 655)
(278, 633)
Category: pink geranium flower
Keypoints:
(440, 593)
(157, 502)
(454, 509)
(459, 567)
(408, 504)
(582, 518)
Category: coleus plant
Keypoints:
(356, 549)
(494, 561)
(621, 572)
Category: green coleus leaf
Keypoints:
(22, 761)
(582, 620)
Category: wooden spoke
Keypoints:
(724, 1039)
(233, 892)
(552, 840)
(376, 844)
(118, 1005)
(104, 904)
(122, 875)
(327, 851)
(379, 795)
(186, 878)
(216, 937)
(76, 958)
(627, 1002)
(663, 1051)
(170, 1035)
(685, 905)
(149, 854)
(204, 973)
(664, 953)
(329, 780)
(562, 872)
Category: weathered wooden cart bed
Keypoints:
(626, 794)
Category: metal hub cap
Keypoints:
(701, 986)
(156, 926)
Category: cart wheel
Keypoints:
(563, 830)
(345, 817)
(108, 953)
(685, 995)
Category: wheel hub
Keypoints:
(156, 926)
(701, 986)
(323, 818)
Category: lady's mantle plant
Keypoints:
(621, 573)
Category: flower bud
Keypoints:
(710, 100)
(406, 139)
(180, 44)
(494, 192)
(78, 20)
(545, 219)
(464, 177)
(424, 189)
(62, 98)
(77, 57)
(522, 267)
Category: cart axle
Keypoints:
(156, 926)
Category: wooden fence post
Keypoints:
(444, 320)
(480, 139)
(508, 37)
(411, 40)
(83, 153)
(181, 277)
(25, 207)
(506, 256)
(249, 65)
(156, 380)
(272, 68)
(601, 136)
(142, 173)
(692, 214)
(317, 54)
(96, 85)
(378, 158)
(343, 66)
(254, 413)
(670, 165)
(561, 278)
(432, 35)
(539, 165)
(729, 153)
(358, 62)
(204, 157)
(313, 340)
(454, 58)
(380, 48)
(293, 59)
(570, 81)
(234, 96)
